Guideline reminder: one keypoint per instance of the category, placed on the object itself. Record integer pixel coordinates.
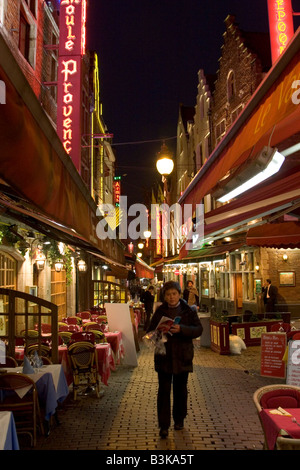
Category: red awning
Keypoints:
(143, 270)
(277, 235)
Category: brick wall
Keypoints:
(272, 264)
(248, 73)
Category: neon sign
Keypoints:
(117, 190)
(281, 26)
(71, 49)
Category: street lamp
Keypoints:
(165, 163)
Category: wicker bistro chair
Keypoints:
(25, 407)
(9, 362)
(92, 325)
(84, 315)
(83, 359)
(65, 337)
(42, 350)
(286, 443)
(83, 336)
(273, 396)
(100, 337)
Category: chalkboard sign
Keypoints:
(293, 364)
(273, 346)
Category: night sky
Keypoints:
(149, 54)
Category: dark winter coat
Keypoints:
(179, 347)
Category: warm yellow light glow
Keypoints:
(165, 166)
(164, 163)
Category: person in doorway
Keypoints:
(270, 293)
(148, 300)
(177, 361)
(190, 294)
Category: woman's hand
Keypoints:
(175, 329)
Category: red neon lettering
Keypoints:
(68, 2)
(66, 146)
(67, 110)
(66, 71)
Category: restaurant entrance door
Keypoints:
(238, 292)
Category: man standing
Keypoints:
(148, 300)
(270, 292)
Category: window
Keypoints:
(236, 112)
(58, 291)
(220, 130)
(230, 85)
(24, 37)
(8, 271)
(54, 66)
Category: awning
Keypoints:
(212, 253)
(276, 235)
(32, 158)
(143, 270)
(269, 118)
(116, 269)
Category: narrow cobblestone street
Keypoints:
(221, 413)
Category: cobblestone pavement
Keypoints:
(221, 412)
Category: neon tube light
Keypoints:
(272, 168)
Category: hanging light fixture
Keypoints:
(58, 266)
(82, 267)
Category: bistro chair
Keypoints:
(83, 359)
(83, 336)
(277, 327)
(84, 315)
(296, 336)
(91, 326)
(286, 443)
(65, 337)
(25, 407)
(46, 360)
(100, 337)
(41, 349)
(273, 396)
(73, 320)
(62, 326)
(9, 362)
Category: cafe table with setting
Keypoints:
(51, 384)
(277, 422)
(8, 434)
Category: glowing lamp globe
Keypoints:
(165, 166)
(164, 163)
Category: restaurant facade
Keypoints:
(251, 235)
(49, 199)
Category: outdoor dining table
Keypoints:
(116, 342)
(8, 434)
(51, 384)
(105, 362)
(275, 425)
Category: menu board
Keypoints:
(273, 346)
(293, 365)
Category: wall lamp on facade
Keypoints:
(139, 255)
(267, 164)
(285, 257)
(141, 246)
(81, 265)
(58, 266)
(257, 267)
(40, 261)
